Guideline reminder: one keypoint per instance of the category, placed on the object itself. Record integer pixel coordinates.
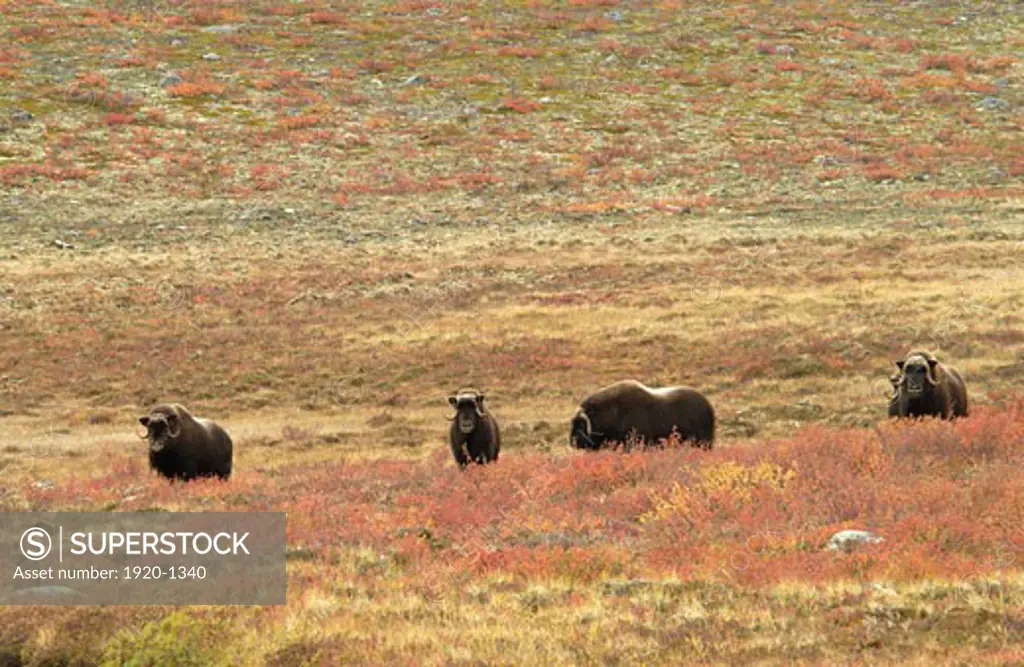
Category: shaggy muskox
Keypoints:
(926, 387)
(474, 432)
(629, 408)
(185, 447)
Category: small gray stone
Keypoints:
(993, 103)
(846, 540)
(211, 56)
(220, 28)
(21, 116)
(171, 79)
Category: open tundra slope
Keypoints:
(312, 222)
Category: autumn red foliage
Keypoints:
(942, 495)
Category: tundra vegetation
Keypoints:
(308, 222)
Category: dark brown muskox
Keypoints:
(629, 409)
(925, 387)
(185, 447)
(474, 432)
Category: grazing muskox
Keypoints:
(474, 432)
(926, 387)
(185, 447)
(628, 408)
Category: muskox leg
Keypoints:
(189, 471)
(460, 455)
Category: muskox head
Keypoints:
(917, 370)
(469, 407)
(163, 424)
(581, 432)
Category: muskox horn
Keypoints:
(171, 432)
(930, 374)
(581, 413)
(144, 421)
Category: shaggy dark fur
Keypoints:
(185, 447)
(629, 407)
(925, 387)
(474, 432)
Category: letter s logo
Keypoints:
(36, 544)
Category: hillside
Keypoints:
(314, 221)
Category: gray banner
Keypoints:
(142, 558)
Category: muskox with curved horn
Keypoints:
(926, 387)
(474, 432)
(629, 408)
(185, 447)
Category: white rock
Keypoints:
(846, 540)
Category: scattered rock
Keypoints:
(222, 29)
(415, 79)
(846, 540)
(614, 15)
(211, 56)
(62, 245)
(171, 79)
(882, 588)
(993, 104)
(21, 116)
(785, 49)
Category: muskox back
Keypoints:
(926, 387)
(630, 409)
(184, 447)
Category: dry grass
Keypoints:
(315, 222)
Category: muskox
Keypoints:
(474, 432)
(926, 387)
(629, 410)
(184, 447)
